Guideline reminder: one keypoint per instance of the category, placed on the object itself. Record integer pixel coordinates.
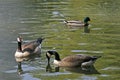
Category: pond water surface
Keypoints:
(44, 18)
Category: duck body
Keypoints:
(78, 60)
(77, 23)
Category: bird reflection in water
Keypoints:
(85, 70)
(50, 69)
(30, 59)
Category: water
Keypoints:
(36, 18)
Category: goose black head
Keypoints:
(86, 19)
(39, 40)
(50, 53)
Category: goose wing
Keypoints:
(77, 58)
(27, 45)
(31, 45)
(74, 60)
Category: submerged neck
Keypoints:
(19, 46)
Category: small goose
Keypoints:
(78, 60)
(77, 23)
(26, 51)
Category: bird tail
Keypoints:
(96, 57)
(65, 21)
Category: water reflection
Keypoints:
(50, 69)
(27, 76)
(20, 67)
(86, 51)
(41, 16)
(88, 70)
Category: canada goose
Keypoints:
(26, 51)
(73, 60)
(77, 23)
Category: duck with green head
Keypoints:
(79, 24)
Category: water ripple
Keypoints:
(27, 76)
(86, 51)
(56, 73)
(111, 68)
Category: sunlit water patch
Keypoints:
(82, 44)
(104, 75)
(96, 28)
(111, 68)
(56, 73)
(30, 22)
(23, 33)
(26, 68)
(28, 76)
(86, 51)
(89, 77)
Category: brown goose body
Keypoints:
(73, 60)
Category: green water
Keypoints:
(103, 39)
(34, 18)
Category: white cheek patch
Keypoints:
(49, 54)
(19, 39)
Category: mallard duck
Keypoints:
(78, 60)
(77, 23)
(26, 51)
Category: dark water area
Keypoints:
(35, 18)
